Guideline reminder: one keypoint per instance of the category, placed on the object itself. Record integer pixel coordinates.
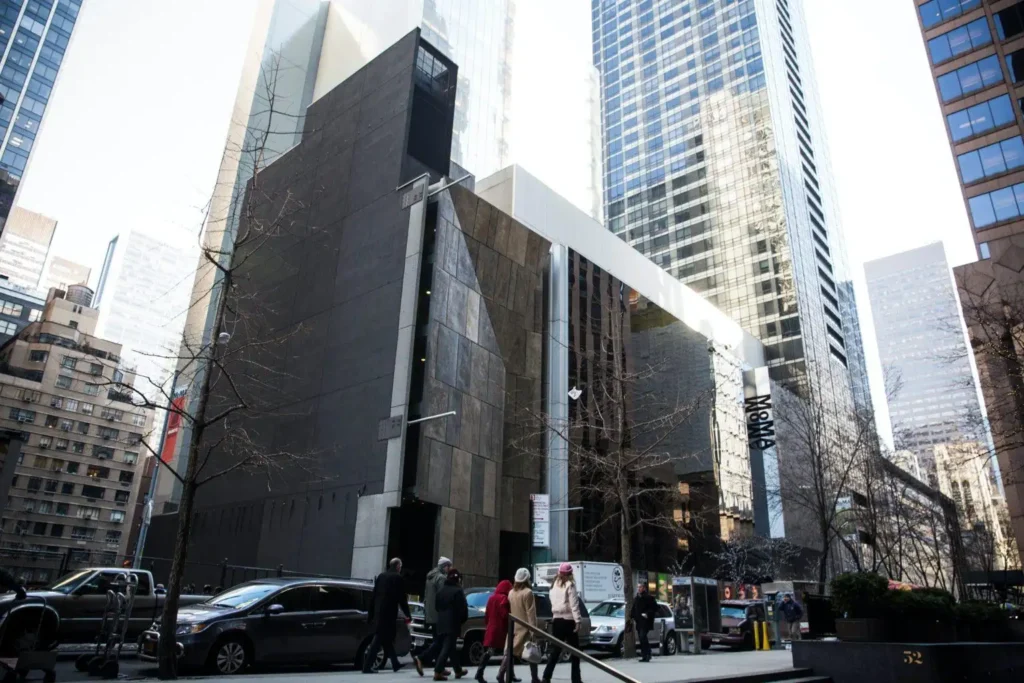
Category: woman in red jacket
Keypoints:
(496, 623)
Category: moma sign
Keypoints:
(760, 425)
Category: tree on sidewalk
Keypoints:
(755, 559)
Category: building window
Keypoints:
(126, 477)
(113, 536)
(63, 382)
(72, 468)
(97, 472)
(969, 78)
(138, 419)
(103, 453)
(984, 251)
(131, 458)
(56, 530)
(37, 356)
(1009, 21)
(991, 160)
(8, 328)
(1015, 65)
(88, 512)
(95, 369)
(108, 433)
(994, 113)
(68, 362)
(959, 41)
(45, 441)
(73, 324)
(67, 488)
(92, 389)
(93, 491)
(122, 496)
(26, 416)
(111, 414)
(70, 405)
(10, 308)
(83, 533)
(62, 509)
(116, 516)
(67, 425)
(999, 205)
(51, 421)
(34, 315)
(77, 447)
(62, 445)
(56, 402)
(83, 428)
(87, 407)
(937, 11)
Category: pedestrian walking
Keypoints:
(388, 596)
(496, 630)
(523, 605)
(565, 621)
(435, 582)
(452, 612)
(792, 615)
(644, 610)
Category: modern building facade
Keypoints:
(18, 308)
(302, 49)
(922, 344)
(34, 36)
(142, 295)
(75, 486)
(26, 254)
(716, 169)
(976, 51)
(423, 300)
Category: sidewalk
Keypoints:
(659, 670)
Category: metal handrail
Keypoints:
(512, 620)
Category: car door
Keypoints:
(338, 623)
(665, 622)
(283, 636)
(81, 618)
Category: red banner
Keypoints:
(173, 427)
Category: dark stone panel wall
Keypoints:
(484, 345)
(330, 283)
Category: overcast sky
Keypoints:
(134, 132)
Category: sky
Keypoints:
(134, 132)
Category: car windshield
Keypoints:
(479, 600)
(68, 583)
(243, 596)
(734, 612)
(609, 609)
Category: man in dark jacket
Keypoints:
(388, 597)
(645, 608)
(792, 614)
(435, 582)
(452, 612)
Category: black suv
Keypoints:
(276, 622)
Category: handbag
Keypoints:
(532, 653)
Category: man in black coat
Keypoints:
(452, 613)
(388, 596)
(645, 608)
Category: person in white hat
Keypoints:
(524, 607)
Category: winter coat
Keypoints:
(452, 610)
(791, 611)
(523, 606)
(435, 582)
(388, 597)
(565, 601)
(496, 616)
(645, 608)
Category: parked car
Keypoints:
(608, 625)
(276, 621)
(75, 605)
(738, 619)
(471, 643)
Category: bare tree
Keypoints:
(755, 559)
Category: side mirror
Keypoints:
(274, 609)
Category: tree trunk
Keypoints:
(823, 564)
(626, 541)
(167, 655)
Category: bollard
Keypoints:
(757, 635)
(766, 644)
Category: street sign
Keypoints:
(541, 519)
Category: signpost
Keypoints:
(540, 520)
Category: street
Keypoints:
(712, 664)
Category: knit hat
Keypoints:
(522, 575)
(443, 561)
(565, 568)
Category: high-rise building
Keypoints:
(976, 51)
(300, 50)
(34, 35)
(142, 296)
(922, 344)
(62, 273)
(18, 307)
(716, 169)
(75, 488)
(26, 255)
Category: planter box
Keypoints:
(856, 662)
(861, 630)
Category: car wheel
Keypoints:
(617, 648)
(473, 649)
(670, 646)
(229, 656)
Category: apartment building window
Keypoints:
(56, 530)
(77, 447)
(103, 453)
(138, 419)
(116, 516)
(82, 428)
(56, 402)
(37, 356)
(20, 415)
(10, 308)
(46, 507)
(34, 315)
(72, 468)
(134, 439)
(131, 458)
(8, 328)
(92, 389)
(70, 405)
(88, 512)
(61, 445)
(39, 528)
(122, 496)
(113, 536)
(126, 477)
(97, 472)
(68, 362)
(51, 486)
(41, 462)
(67, 425)
(95, 369)
(93, 491)
(87, 408)
(62, 382)
(83, 533)
(45, 441)
(108, 433)
(67, 488)
(111, 414)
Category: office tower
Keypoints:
(976, 51)
(922, 344)
(34, 35)
(302, 49)
(18, 308)
(75, 489)
(26, 254)
(716, 168)
(62, 273)
(142, 296)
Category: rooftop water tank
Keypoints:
(79, 294)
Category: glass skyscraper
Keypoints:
(34, 35)
(716, 169)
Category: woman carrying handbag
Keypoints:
(524, 608)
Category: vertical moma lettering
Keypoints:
(760, 426)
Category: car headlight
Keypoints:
(607, 629)
(189, 629)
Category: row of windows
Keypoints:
(970, 78)
(79, 533)
(998, 205)
(937, 11)
(959, 41)
(991, 160)
(980, 118)
(67, 488)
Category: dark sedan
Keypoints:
(738, 620)
(276, 622)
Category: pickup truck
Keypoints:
(75, 604)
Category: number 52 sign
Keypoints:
(912, 657)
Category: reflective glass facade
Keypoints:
(715, 169)
(34, 35)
